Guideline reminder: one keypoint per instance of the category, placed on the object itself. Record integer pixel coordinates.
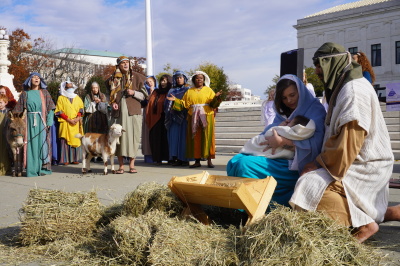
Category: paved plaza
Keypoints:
(112, 188)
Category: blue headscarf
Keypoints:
(309, 106)
(147, 85)
(178, 92)
(28, 82)
(177, 74)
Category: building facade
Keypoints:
(369, 26)
(77, 64)
(239, 93)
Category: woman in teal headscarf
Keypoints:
(36, 100)
(292, 98)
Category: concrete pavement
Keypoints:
(112, 188)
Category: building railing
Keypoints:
(234, 104)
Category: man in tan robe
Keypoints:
(349, 180)
(127, 91)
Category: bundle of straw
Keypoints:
(49, 215)
(286, 237)
(187, 242)
(127, 238)
(152, 196)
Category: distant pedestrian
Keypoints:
(267, 109)
(367, 70)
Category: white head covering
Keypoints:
(206, 78)
(65, 93)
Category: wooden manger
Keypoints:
(249, 194)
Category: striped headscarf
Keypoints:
(338, 68)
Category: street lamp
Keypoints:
(6, 79)
(3, 35)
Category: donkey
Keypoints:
(15, 134)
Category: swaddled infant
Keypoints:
(299, 128)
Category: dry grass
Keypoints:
(152, 196)
(50, 215)
(60, 228)
(285, 237)
(187, 242)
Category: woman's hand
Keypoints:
(115, 106)
(218, 93)
(171, 97)
(273, 142)
(71, 121)
(97, 100)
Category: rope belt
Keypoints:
(35, 120)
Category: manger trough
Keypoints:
(249, 194)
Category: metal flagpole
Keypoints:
(149, 44)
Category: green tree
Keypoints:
(315, 81)
(311, 78)
(98, 79)
(167, 70)
(273, 85)
(54, 87)
(218, 78)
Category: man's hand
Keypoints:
(309, 167)
(115, 106)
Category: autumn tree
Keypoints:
(19, 44)
(218, 78)
(234, 95)
(104, 71)
(137, 64)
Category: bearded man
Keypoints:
(349, 180)
(127, 91)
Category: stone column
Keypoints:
(6, 79)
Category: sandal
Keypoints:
(120, 171)
(132, 170)
(195, 165)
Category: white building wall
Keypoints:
(358, 27)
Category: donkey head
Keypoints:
(16, 129)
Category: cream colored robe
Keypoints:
(366, 180)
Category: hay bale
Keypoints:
(184, 242)
(152, 196)
(127, 238)
(285, 237)
(110, 213)
(49, 215)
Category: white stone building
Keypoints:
(78, 64)
(245, 93)
(370, 26)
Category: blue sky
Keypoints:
(246, 38)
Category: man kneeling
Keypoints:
(349, 180)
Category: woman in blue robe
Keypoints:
(292, 98)
(175, 121)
